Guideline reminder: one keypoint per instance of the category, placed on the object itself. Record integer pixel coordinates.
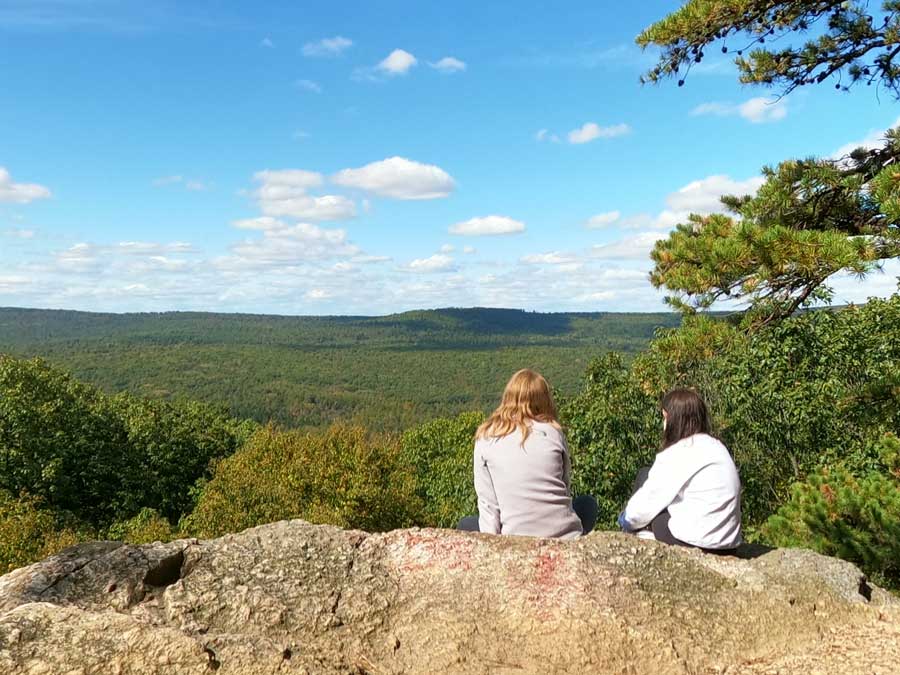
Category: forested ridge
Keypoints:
(385, 372)
(807, 400)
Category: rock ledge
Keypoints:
(291, 597)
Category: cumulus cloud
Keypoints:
(703, 196)
(601, 220)
(636, 247)
(190, 184)
(874, 139)
(398, 178)
(18, 233)
(546, 135)
(487, 225)
(285, 244)
(308, 85)
(20, 193)
(436, 263)
(591, 131)
(267, 43)
(398, 62)
(449, 65)
(700, 197)
(284, 194)
(552, 258)
(327, 47)
(757, 110)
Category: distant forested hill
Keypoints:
(386, 372)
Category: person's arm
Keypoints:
(663, 484)
(488, 506)
(567, 464)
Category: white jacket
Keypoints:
(697, 481)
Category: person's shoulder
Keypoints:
(548, 430)
(702, 441)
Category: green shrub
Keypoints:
(440, 452)
(171, 446)
(613, 429)
(856, 518)
(56, 443)
(29, 532)
(144, 528)
(343, 476)
(104, 458)
(812, 390)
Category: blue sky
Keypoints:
(358, 157)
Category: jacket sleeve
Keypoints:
(488, 506)
(664, 482)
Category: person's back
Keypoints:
(691, 496)
(523, 488)
(707, 510)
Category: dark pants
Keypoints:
(584, 506)
(659, 526)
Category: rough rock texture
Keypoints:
(297, 598)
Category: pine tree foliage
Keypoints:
(785, 43)
(856, 518)
(777, 249)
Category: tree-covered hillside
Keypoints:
(385, 372)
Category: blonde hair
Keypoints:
(526, 398)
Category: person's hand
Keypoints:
(623, 523)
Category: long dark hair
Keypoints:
(686, 415)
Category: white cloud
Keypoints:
(874, 139)
(703, 196)
(267, 43)
(447, 248)
(449, 65)
(552, 258)
(398, 178)
(290, 178)
(636, 247)
(285, 244)
(591, 131)
(757, 110)
(327, 47)
(546, 135)
(487, 225)
(469, 250)
(308, 85)
(192, 184)
(20, 193)
(398, 62)
(284, 194)
(19, 233)
(300, 135)
(435, 263)
(603, 219)
(317, 294)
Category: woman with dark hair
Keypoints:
(691, 496)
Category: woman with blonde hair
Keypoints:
(522, 468)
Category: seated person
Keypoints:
(691, 496)
(522, 468)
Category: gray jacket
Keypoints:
(525, 490)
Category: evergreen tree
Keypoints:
(778, 248)
(849, 41)
(856, 518)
